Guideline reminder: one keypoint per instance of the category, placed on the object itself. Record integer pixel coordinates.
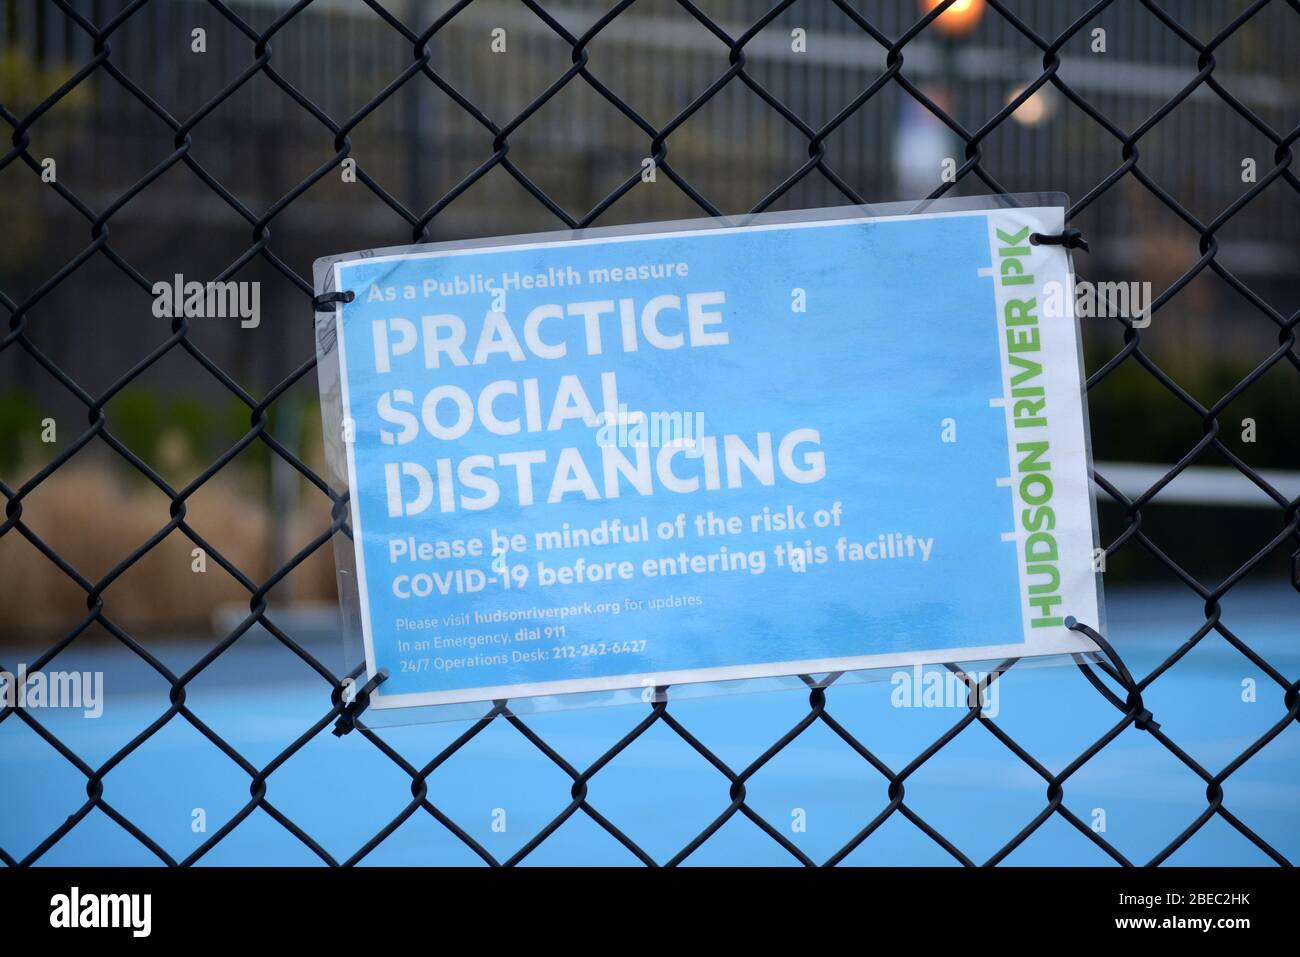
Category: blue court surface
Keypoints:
(661, 792)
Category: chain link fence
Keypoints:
(196, 155)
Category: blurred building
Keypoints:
(260, 142)
(262, 138)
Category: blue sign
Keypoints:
(713, 453)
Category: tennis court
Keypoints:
(662, 793)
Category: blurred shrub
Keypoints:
(1134, 418)
(154, 425)
(20, 420)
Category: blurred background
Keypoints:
(431, 167)
(420, 146)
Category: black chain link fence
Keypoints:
(1109, 676)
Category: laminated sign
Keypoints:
(664, 455)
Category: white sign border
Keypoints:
(1061, 641)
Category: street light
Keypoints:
(1038, 109)
(959, 18)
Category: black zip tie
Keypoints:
(348, 719)
(1069, 238)
(1143, 719)
(1295, 570)
(329, 298)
